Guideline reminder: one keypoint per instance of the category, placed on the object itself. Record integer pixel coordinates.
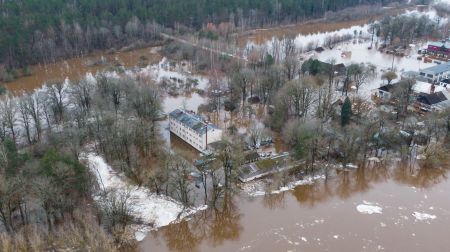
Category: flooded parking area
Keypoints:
(371, 209)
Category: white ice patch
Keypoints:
(374, 159)
(423, 216)
(257, 188)
(150, 208)
(369, 208)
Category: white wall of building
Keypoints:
(190, 136)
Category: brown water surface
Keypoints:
(324, 217)
(76, 68)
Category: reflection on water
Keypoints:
(323, 216)
(213, 226)
(182, 148)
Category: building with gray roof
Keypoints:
(436, 73)
(193, 129)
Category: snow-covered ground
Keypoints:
(154, 210)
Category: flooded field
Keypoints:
(372, 209)
(76, 68)
(261, 36)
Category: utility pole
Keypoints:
(206, 145)
(393, 57)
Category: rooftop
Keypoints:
(418, 87)
(444, 67)
(387, 88)
(192, 121)
(431, 99)
(446, 44)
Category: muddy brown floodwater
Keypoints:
(76, 68)
(260, 36)
(412, 214)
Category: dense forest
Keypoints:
(33, 31)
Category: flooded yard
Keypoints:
(372, 209)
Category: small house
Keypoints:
(385, 92)
(432, 102)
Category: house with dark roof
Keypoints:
(385, 92)
(432, 102)
(193, 129)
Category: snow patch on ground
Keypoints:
(369, 208)
(423, 216)
(154, 210)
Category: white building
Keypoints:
(193, 130)
(436, 73)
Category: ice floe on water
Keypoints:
(423, 216)
(153, 210)
(369, 208)
(258, 188)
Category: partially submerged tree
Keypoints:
(346, 112)
(389, 76)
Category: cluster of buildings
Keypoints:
(429, 91)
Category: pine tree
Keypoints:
(346, 112)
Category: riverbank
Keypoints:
(151, 210)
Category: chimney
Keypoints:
(433, 87)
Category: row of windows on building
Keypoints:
(193, 139)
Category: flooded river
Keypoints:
(372, 209)
(369, 209)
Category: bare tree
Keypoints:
(9, 110)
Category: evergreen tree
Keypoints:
(346, 112)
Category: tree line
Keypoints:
(42, 31)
